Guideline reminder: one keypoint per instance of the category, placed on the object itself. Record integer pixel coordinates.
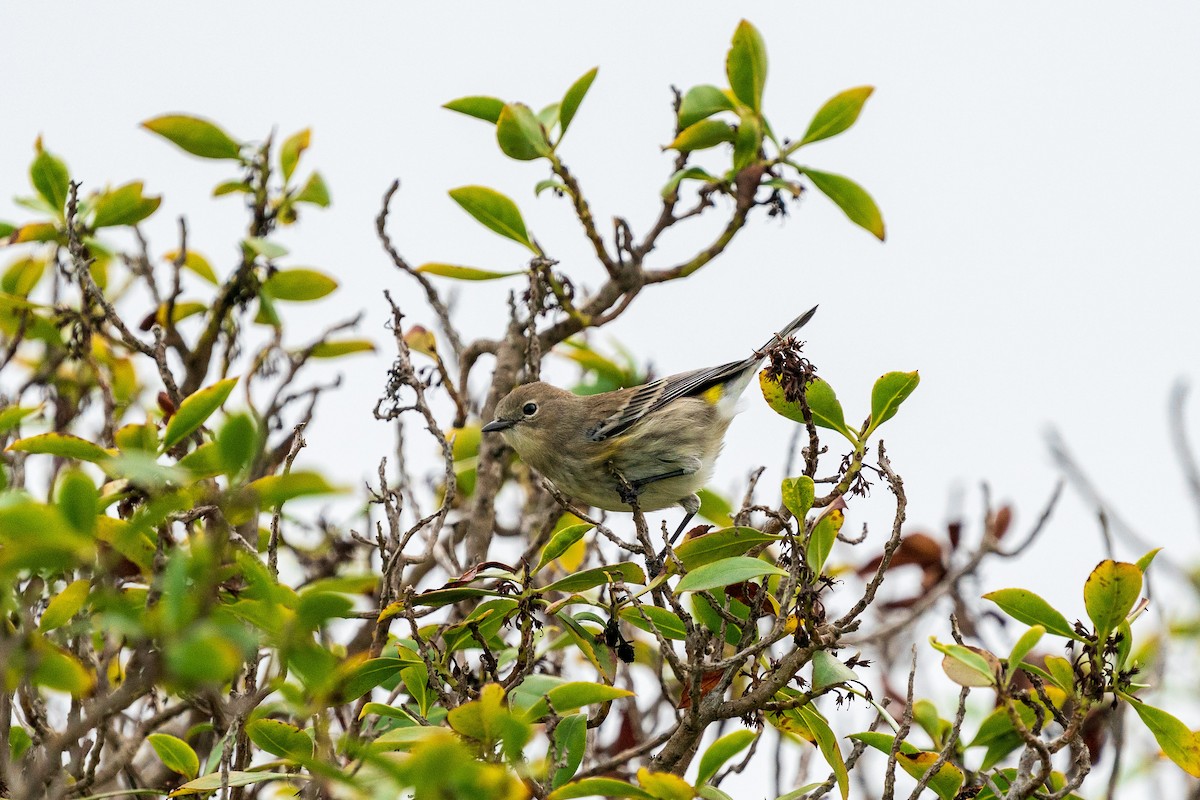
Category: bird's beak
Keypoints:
(498, 425)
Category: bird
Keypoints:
(653, 445)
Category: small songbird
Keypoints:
(656, 443)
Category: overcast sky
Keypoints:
(1036, 163)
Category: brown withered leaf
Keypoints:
(1000, 521)
(168, 408)
(697, 532)
(919, 549)
(954, 531)
(707, 683)
(629, 735)
(473, 572)
(1095, 731)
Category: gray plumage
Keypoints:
(662, 437)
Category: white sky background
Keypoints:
(1036, 165)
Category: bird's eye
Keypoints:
(529, 409)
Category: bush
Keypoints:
(172, 622)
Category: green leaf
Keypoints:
(520, 134)
(827, 670)
(715, 508)
(746, 65)
(237, 443)
(465, 273)
(436, 598)
(839, 113)
(78, 500)
(826, 410)
(125, 205)
(572, 99)
(725, 572)
(22, 276)
(265, 248)
(494, 211)
(35, 232)
(280, 739)
(59, 670)
(1110, 593)
(665, 785)
(383, 710)
(275, 490)
(701, 102)
(721, 751)
(342, 347)
(590, 578)
(194, 135)
(599, 656)
(6, 230)
(798, 496)
(702, 135)
(1025, 606)
(548, 183)
(229, 187)
(851, 199)
(314, 192)
(945, 784)
(689, 173)
(290, 150)
(175, 754)
(569, 697)
(888, 393)
(998, 726)
(369, 674)
(1124, 643)
(485, 108)
(651, 618)
(599, 787)
(827, 743)
(716, 545)
(747, 142)
(704, 613)
(196, 263)
(1024, 644)
(570, 738)
(299, 285)
(203, 462)
(1144, 562)
(822, 402)
(63, 445)
(50, 178)
(194, 410)
(66, 604)
(548, 116)
(267, 315)
(1178, 743)
(824, 534)
(1062, 672)
(215, 780)
(11, 417)
(560, 542)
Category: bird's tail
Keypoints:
(743, 373)
(793, 326)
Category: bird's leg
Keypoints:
(675, 473)
(691, 504)
(627, 491)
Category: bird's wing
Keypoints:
(652, 396)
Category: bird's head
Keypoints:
(533, 417)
